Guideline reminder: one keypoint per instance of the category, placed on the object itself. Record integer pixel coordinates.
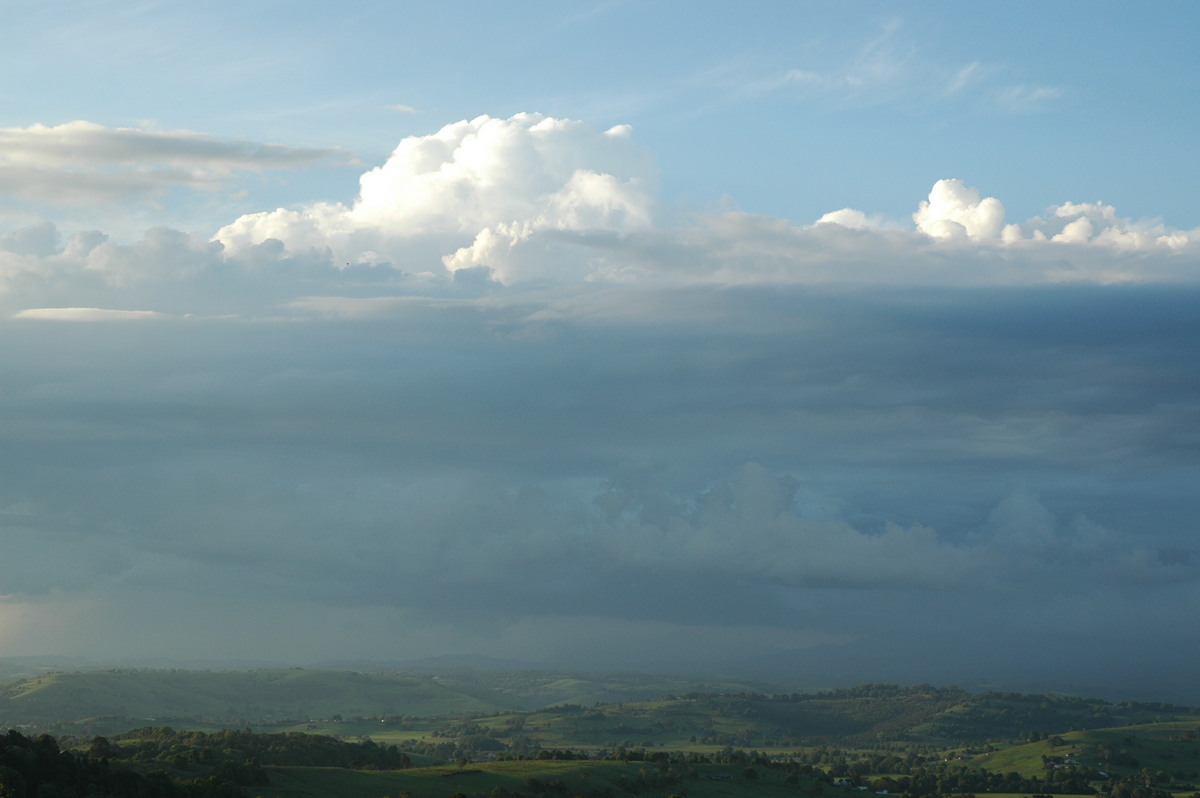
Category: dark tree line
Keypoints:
(39, 768)
(183, 748)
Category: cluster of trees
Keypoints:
(470, 741)
(552, 788)
(1128, 789)
(952, 781)
(470, 747)
(182, 748)
(39, 768)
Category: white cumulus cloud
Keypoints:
(954, 210)
(471, 193)
(508, 205)
(1098, 223)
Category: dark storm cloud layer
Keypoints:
(866, 463)
(505, 403)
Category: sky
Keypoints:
(852, 341)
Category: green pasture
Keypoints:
(1170, 751)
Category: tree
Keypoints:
(101, 748)
(12, 783)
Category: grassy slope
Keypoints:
(1157, 746)
(1007, 715)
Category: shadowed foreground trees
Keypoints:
(38, 768)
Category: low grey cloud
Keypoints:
(83, 162)
(82, 143)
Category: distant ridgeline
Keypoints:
(566, 709)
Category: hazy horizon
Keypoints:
(763, 677)
(854, 339)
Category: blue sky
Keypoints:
(787, 109)
(608, 335)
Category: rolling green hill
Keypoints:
(1168, 748)
(289, 733)
(1007, 715)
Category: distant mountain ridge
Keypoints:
(277, 694)
(576, 708)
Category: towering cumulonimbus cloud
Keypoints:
(469, 193)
